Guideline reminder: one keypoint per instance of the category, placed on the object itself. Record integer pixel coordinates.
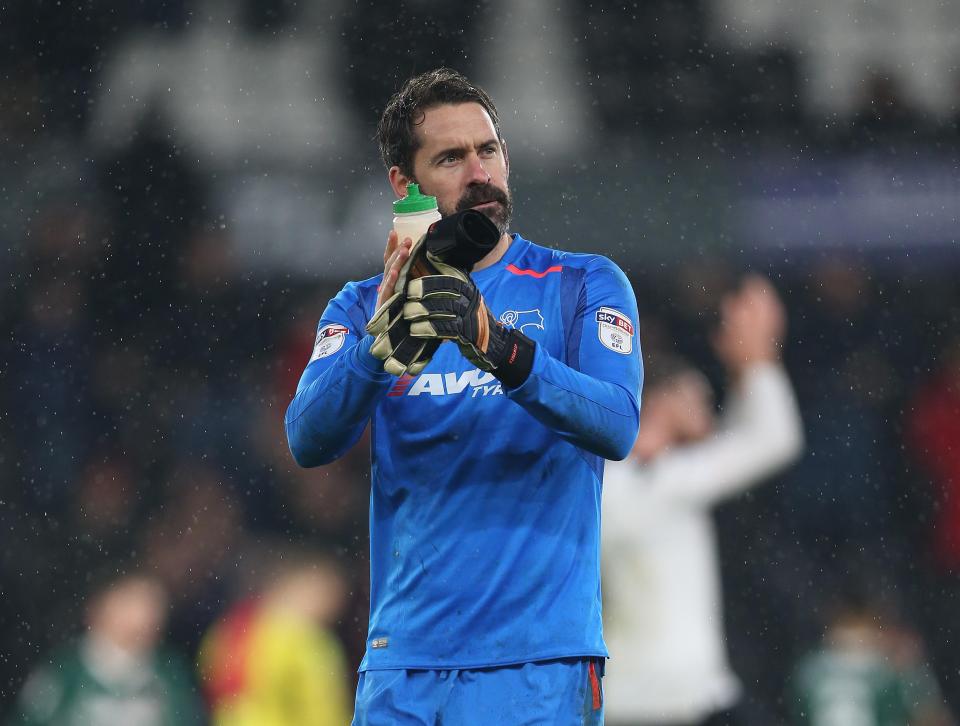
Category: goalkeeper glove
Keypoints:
(400, 352)
(451, 246)
(447, 307)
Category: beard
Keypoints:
(500, 213)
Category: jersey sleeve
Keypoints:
(339, 388)
(593, 399)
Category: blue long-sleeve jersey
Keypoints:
(485, 502)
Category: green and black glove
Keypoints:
(400, 352)
(451, 246)
(448, 307)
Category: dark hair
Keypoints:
(396, 132)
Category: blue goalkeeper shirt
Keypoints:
(485, 502)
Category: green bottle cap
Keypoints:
(414, 201)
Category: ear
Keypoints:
(399, 181)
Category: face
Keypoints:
(461, 162)
(693, 408)
(131, 614)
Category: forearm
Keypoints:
(596, 415)
(764, 411)
(333, 404)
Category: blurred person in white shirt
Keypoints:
(663, 619)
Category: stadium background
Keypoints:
(184, 185)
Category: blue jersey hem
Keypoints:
(434, 666)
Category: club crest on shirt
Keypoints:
(520, 319)
(615, 330)
(329, 340)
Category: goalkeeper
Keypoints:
(487, 455)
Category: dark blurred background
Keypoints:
(184, 184)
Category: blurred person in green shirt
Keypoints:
(869, 671)
(116, 673)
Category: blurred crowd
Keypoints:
(151, 347)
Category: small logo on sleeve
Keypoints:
(615, 330)
(379, 643)
(329, 340)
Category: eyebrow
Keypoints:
(459, 149)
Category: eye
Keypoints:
(488, 150)
(448, 160)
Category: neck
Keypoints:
(494, 255)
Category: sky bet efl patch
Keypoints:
(329, 340)
(615, 330)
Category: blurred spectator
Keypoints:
(868, 672)
(273, 659)
(116, 674)
(933, 439)
(933, 435)
(662, 605)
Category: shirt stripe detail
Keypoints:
(595, 687)
(400, 387)
(517, 271)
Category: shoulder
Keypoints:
(593, 264)
(50, 682)
(537, 256)
(170, 663)
(355, 302)
(63, 657)
(359, 290)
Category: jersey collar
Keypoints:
(518, 246)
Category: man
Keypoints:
(273, 658)
(869, 669)
(486, 477)
(662, 607)
(117, 673)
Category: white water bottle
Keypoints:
(413, 215)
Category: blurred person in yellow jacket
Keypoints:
(272, 659)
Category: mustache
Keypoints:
(482, 193)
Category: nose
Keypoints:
(478, 174)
